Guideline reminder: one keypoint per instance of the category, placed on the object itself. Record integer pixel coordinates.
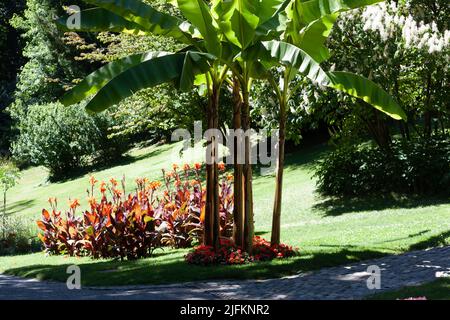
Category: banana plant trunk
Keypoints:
(238, 209)
(276, 219)
(212, 217)
(247, 189)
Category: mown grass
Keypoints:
(327, 231)
(436, 290)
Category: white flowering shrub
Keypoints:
(388, 20)
(405, 49)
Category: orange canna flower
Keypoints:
(186, 167)
(155, 185)
(175, 167)
(117, 192)
(92, 201)
(170, 206)
(103, 187)
(221, 166)
(114, 182)
(74, 204)
(197, 166)
(230, 177)
(93, 181)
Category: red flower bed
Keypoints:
(168, 213)
(229, 253)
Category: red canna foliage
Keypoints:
(61, 235)
(156, 214)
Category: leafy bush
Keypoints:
(65, 138)
(16, 237)
(132, 226)
(229, 253)
(421, 166)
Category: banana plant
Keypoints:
(119, 79)
(291, 35)
(302, 30)
(244, 23)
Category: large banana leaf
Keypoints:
(272, 28)
(98, 79)
(312, 10)
(99, 20)
(267, 9)
(316, 14)
(313, 37)
(237, 20)
(195, 63)
(179, 68)
(278, 52)
(199, 14)
(365, 89)
(146, 16)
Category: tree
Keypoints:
(9, 175)
(10, 62)
(214, 44)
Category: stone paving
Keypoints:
(343, 282)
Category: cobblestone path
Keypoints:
(343, 282)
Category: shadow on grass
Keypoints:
(304, 157)
(442, 239)
(339, 206)
(18, 206)
(175, 269)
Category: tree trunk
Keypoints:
(238, 209)
(4, 216)
(212, 217)
(248, 190)
(276, 219)
(427, 115)
(379, 130)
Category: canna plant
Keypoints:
(170, 213)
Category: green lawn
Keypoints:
(327, 231)
(436, 290)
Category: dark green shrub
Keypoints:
(65, 138)
(421, 167)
